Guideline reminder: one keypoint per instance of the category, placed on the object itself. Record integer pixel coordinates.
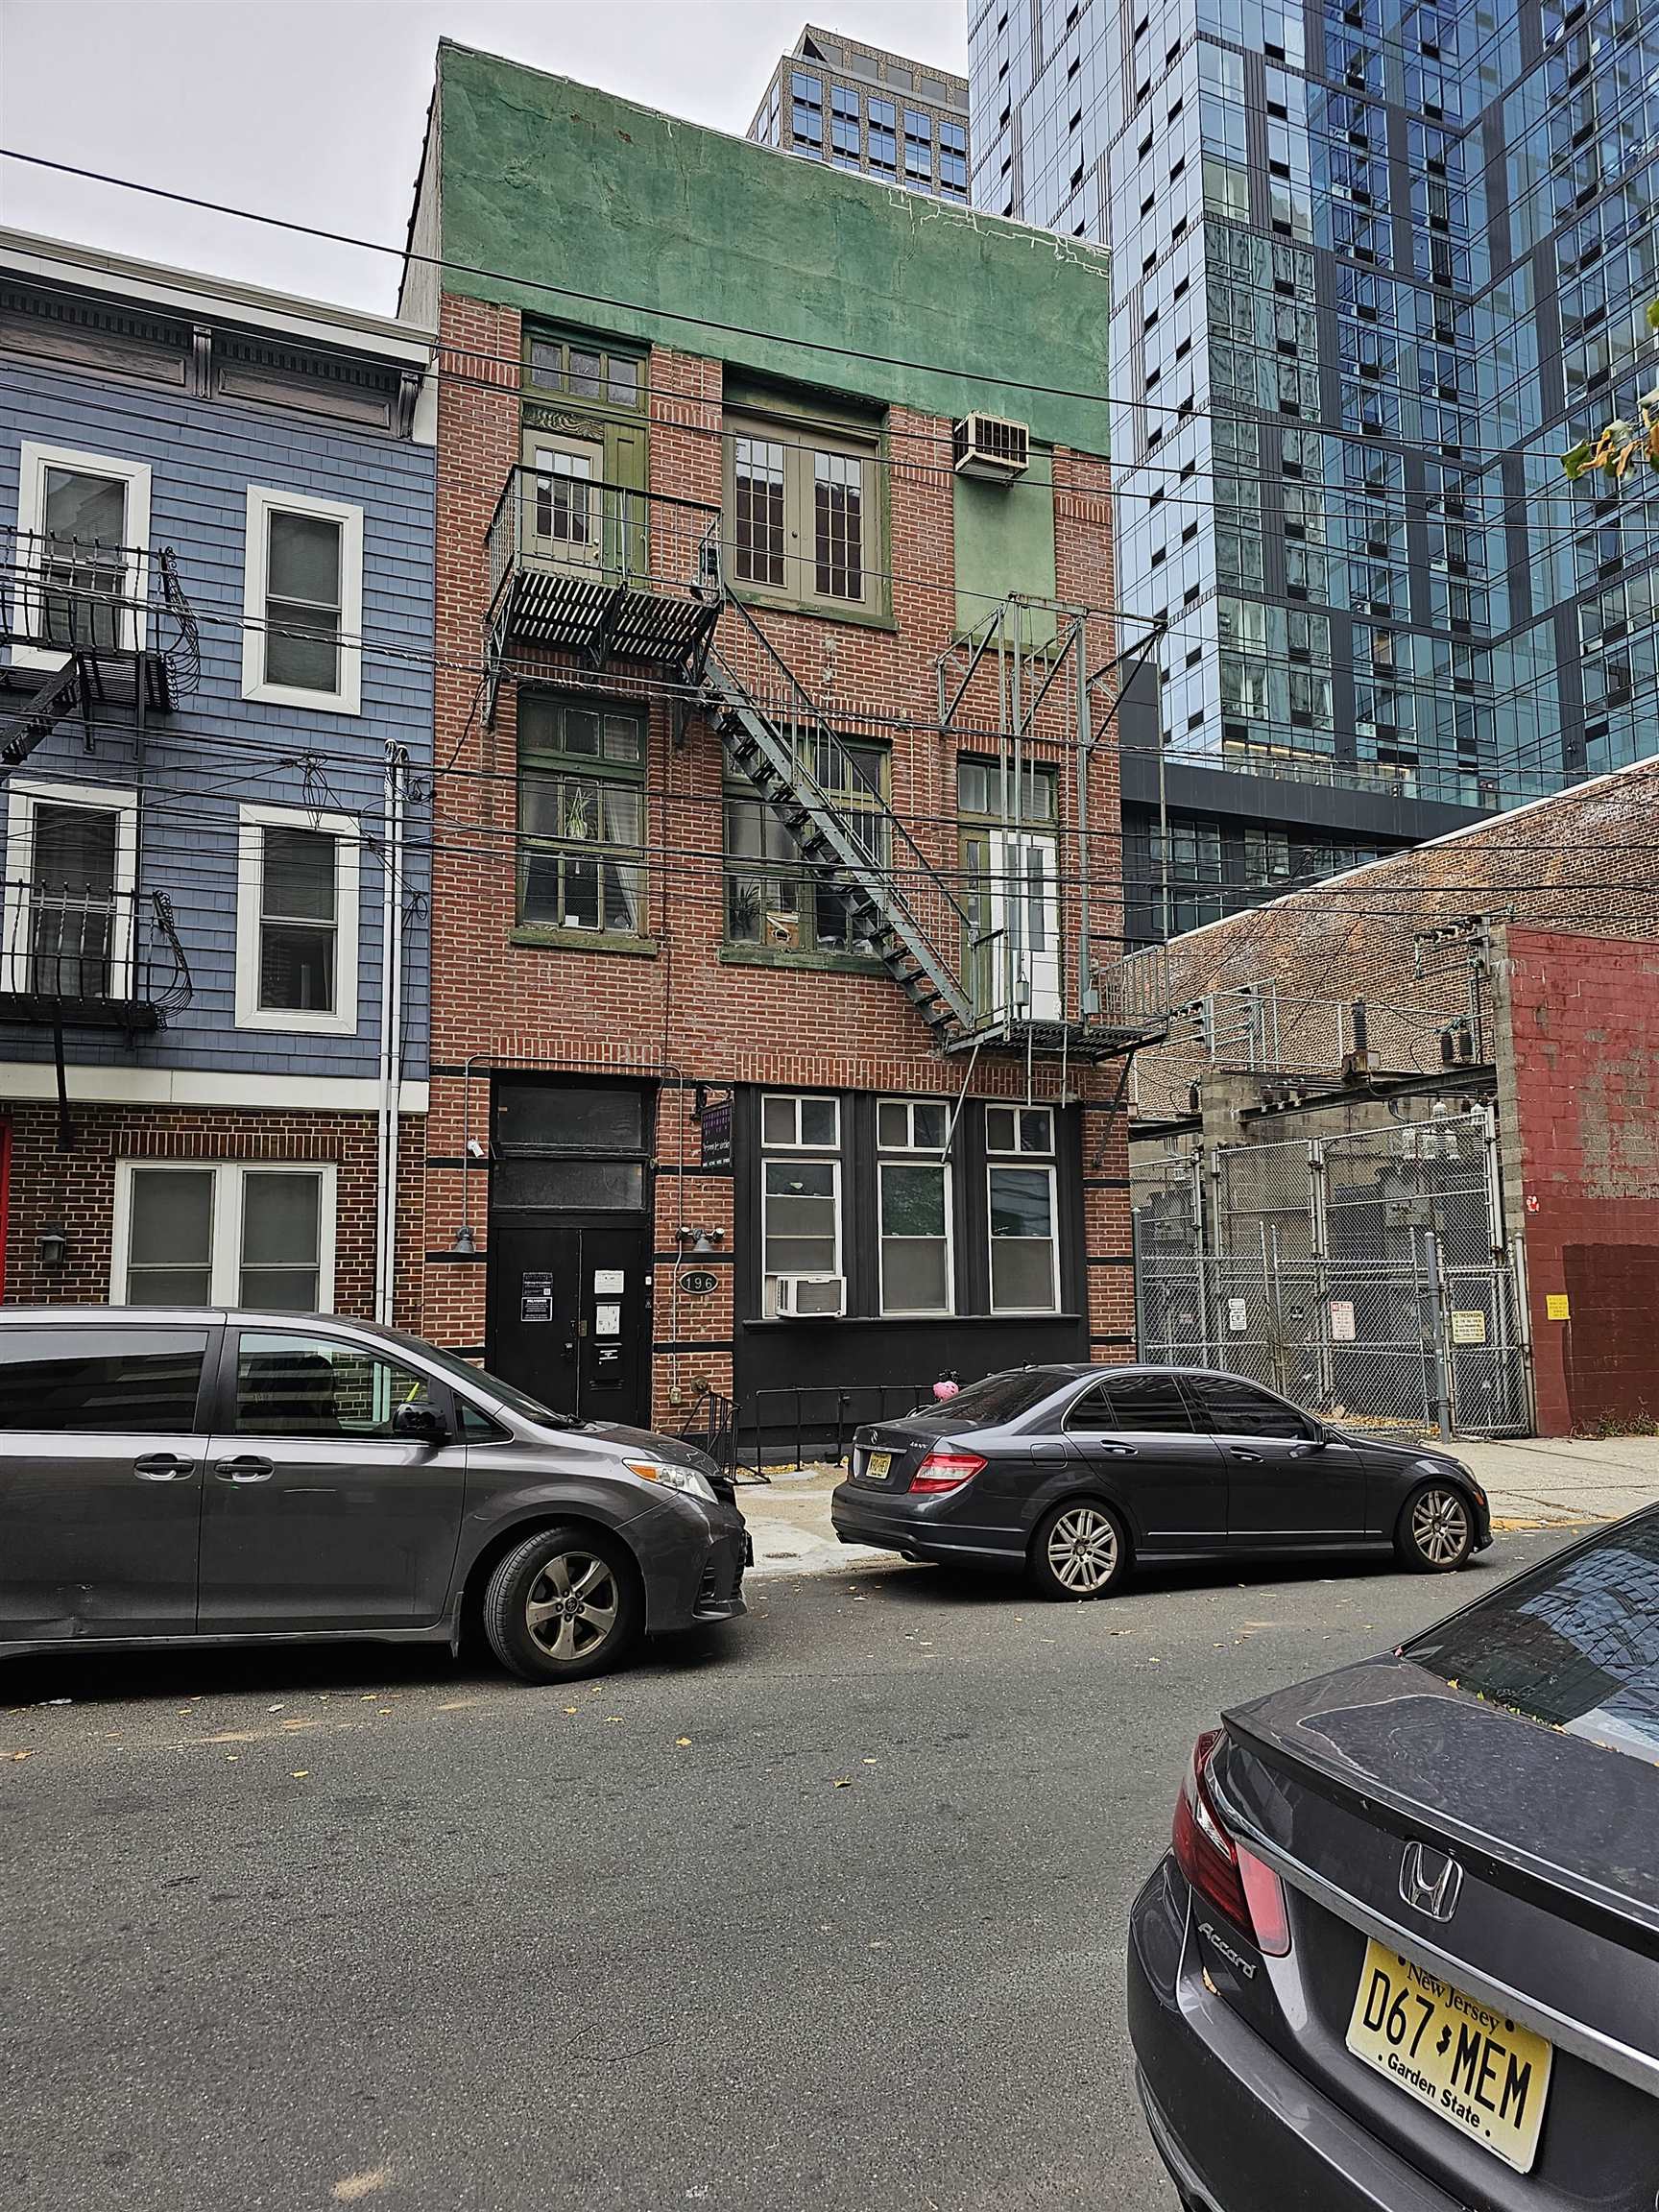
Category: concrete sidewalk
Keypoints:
(1533, 1482)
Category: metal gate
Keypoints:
(1366, 1276)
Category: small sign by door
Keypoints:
(1469, 1326)
(606, 1320)
(536, 1298)
(1341, 1321)
(608, 1282)
(699, 1282)
(714, 1128)
(1238, 1316)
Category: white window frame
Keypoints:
(1000, 1164)
(22, 801)
(263, 502)
(1019, 1149)
(224, 1250)
(252, 824)
(33, 461)
(911, 1142)
(925, 1159)
(819, 1159)
(797, 1099)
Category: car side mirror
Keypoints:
(1316, 1439)
(421, 1421)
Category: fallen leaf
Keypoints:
(22, 1755)
(572, 1708)
(843, 1781)
(385, 1709)
(300, 1773)
(352, 2186)
(276, 1708)
(682, 1742)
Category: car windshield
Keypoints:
(1574, 1643)
(472, 1378)
(1000, 1398)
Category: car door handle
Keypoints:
(1113, 1450)
(245, 1469)
(1253, 1455)
(162, 1467)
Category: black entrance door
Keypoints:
(568, 1312)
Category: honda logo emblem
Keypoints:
(1429, 1881)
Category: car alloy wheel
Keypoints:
(1082, 1551)
(1440, 1527)
(571, 1606)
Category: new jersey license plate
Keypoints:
(877, 1466)
(1480, 2070)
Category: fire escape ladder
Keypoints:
(799, 764)
(22, 728)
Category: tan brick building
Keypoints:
(775, 863)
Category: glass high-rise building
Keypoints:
(1374, 266)
(902, 122)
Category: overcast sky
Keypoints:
(315, 108)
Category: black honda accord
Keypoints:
(1404, 1952)
(1074, 1472)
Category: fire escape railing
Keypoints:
(87, 956)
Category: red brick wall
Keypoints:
(75, 1190)
(1584, 1022)
(682, 1011)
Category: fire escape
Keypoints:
(623, 576)
(101, 639)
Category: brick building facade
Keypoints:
(699, 1122)
(1505, 978)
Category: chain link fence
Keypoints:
(1365, 1276)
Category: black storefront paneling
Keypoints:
(867, 1347)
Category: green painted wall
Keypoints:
(553, 184)
(1005, 543)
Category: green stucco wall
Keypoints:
(1005, 543)
(550, 183)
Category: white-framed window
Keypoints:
(1024, 1129)
(225, 1233)
(71, 868)
(297, 902)
(83, 536)
(1024, 1248)
(800, 1206)
(792, 1124)
(916, 1249)
(302, 601)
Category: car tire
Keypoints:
(1080, 1551)
(1436, 1531)
(563, 1604)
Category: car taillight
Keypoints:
(1226, 1872)
(945, 1470)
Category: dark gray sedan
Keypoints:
(213, 1477)
(1404, 1952)
(1074, 1472)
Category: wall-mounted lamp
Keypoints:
(463, 1244)
(53, 1247)
(708, 1240)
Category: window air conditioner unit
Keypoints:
(800, 1295)
(991, 446)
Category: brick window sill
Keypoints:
(813, 963)
(817, 609)
(544, 937)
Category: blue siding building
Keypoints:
(216, 683)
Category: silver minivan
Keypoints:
(204, 1477)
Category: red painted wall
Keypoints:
(1584, 1021)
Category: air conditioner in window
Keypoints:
(796, 1296)
(992, 446)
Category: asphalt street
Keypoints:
(827, 1909)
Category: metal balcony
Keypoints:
(602, 570)
(102, 632)
(78, 957)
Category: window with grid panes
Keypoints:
(882, 145)
(985, 807)
(802, 513)
(591, 369)
(914, 1197)
(773, 900)
(581, 815)
(1023, 1215)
